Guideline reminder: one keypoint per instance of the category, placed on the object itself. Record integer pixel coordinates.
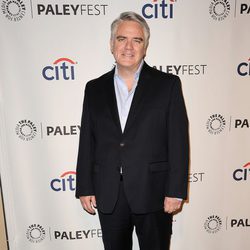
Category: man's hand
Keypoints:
(172, 205)
(88, 203)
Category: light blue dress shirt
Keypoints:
(124, 97)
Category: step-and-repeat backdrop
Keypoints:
(50, 49)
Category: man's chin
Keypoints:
(128, 66)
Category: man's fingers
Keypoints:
(88, 207)
(93, 200)
(171, 204)
(88, 203)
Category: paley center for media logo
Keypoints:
(61, 69)
(215, 124)
(65, 182)
(219, 9)
(35, 233)
(13, 10)
(243, 68)
(159, 9)
(214, 223)
(26, 130)
(242, 174)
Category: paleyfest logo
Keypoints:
(77, 234)
(219, 9)
(13, 10)
(61, 69)
(71, 9)
(183, 69)
(159, 9)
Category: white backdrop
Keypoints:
(50, 49)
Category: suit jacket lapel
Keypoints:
(111, 99)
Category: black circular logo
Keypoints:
(213, 224)
(219, 9)
(35, 233)
(26, 130)
(215, 124)
(14, 10)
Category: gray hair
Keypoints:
(131, 16)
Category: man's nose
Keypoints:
(129, 44)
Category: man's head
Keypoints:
(129, 39)
(131, 16)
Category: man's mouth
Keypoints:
(128, 55)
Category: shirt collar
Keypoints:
(137, 73)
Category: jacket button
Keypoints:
(122, 144)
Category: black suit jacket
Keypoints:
(152, 150)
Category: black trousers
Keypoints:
(153, 229)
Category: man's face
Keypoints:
(128, 45)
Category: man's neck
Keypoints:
(126, 73)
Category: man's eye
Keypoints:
(138, 41)
(120, 39)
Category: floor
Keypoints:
(3, 244)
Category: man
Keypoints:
(133, 151)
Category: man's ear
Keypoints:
(111, 44)
(145, 52)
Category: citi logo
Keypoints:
(62, 69)
(243, 68)
(159, 9)
(66, 182)
(242, 174)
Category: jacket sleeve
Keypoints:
(84, 172)
(178, 144)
